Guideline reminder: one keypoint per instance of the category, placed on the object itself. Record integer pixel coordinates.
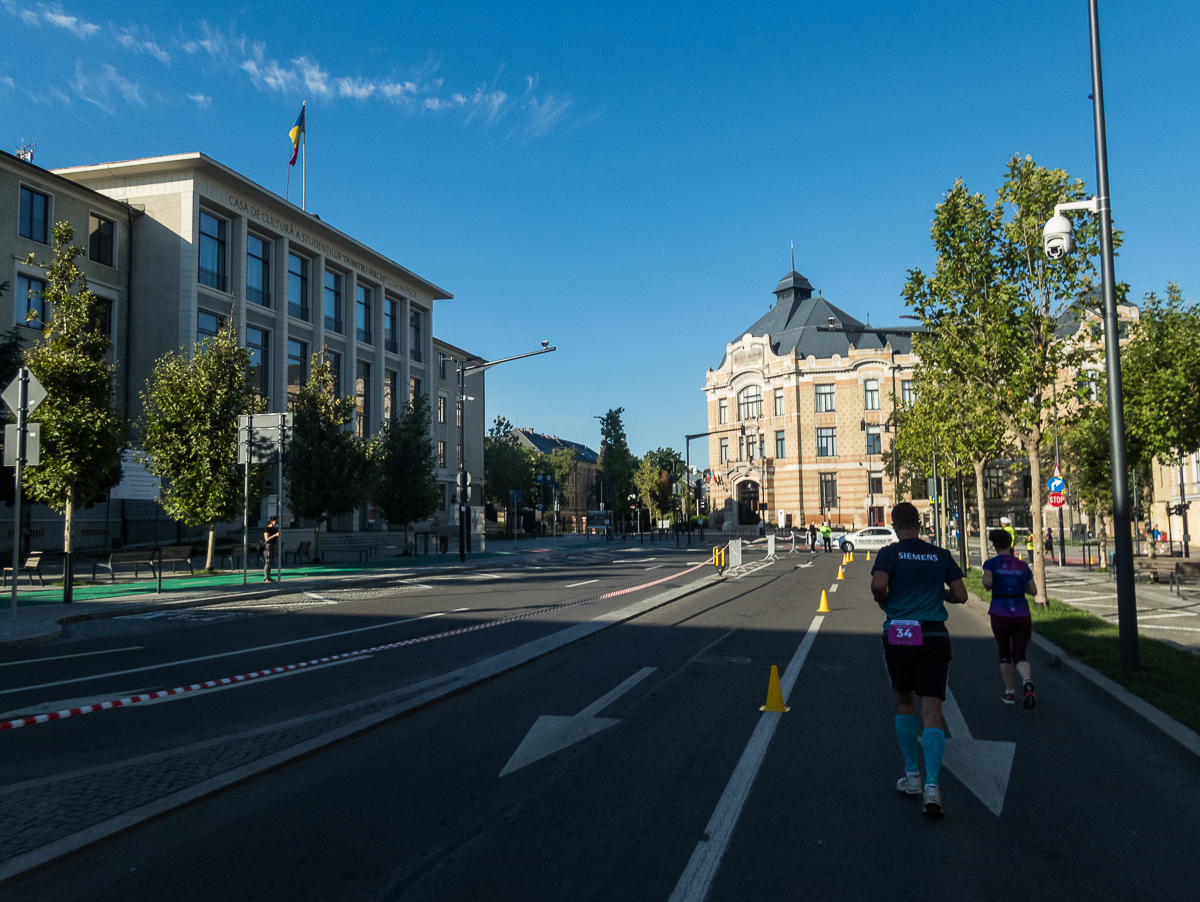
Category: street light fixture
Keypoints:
(463, 491)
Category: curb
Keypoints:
(1185, 736)
(426, 694)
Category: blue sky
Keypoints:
(625, 179)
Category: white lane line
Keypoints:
(833, 588)
(586, 582)
(640, 560)
(226, 654)
(82, 654)
(1142, 617)
(656, 566)
(697, 878)
(1163, 626)
(68, 703)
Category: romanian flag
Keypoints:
(294, 134)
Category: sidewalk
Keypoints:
(40, 613)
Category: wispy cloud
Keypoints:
(7, 81)
(55, 16)
(28, 16)
(100, 88)
(202, 100)
(130, 38)
(543, 112)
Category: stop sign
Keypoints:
(1056, 499)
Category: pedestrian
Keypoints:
(812, 538)
(909, 581)
(1009, 579)
(1006, 525)
(1050, 543)
(1029, 546)
(826, 532)
(270, 546)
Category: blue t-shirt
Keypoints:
(919, 573)
(1009, 575)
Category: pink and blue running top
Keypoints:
(1009, 575)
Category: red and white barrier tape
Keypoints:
(225, 681)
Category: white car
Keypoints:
(869, 539)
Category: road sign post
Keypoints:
(22, 396)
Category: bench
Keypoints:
(138, 557)
(304, 549)
(1184, 570)
(230, 550)
(32, 565)
(1156, 568)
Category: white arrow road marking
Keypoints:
(833, 587)
(982, 765)
(803, 566)
(553, 733)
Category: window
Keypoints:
(333, 302)
(762, 445)
(724, 450)
(414, 334)
(442, 455)
(458, 409)
(362, 400)
(298, 287)
(212, 251)
(391, 382)
(101, 317)
(28, 306)
(442, 358)
(35, 214)
(746, 447)
(259, 374)
(414, 388)
(335, 367)
(750, 405)
(779, 402)
(102, 239)
(362, 313)
(457, 454)
(826, 395)
(993, 483)
(829, 490)
(827, 442)
(208, 325)
(391, 317)
(907, 396)
(780, 445)
(876, 484)
(871, 394)
(722, 411)
(441, 408)
(258, 271)
(445, 492)
(874, 440)
(297, 370)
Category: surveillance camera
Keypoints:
(1056, 236)
(832, 322)
(545, 344)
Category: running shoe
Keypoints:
(1030, 697)
(933, 800)
(910, 783)
(1009, 697)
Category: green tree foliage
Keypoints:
(561, 464)
(83, 434)
(507, 466)
(408, 488)
(616, 465)
(995, 303)
(331, 471)
(190, 432)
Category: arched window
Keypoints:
(750, 403)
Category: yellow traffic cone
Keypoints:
(851, 557)
(775, 694)
(868, 556)
(840, 574)
(824, 608)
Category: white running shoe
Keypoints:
(910, 783)
(933, 800)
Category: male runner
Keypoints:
(909, 582)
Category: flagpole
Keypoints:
(304, 164)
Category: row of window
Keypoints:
(441, 455)
(750, 400)
(212, 272)
(34, 220)
(31, 309)
(258, 343)
(826, 444)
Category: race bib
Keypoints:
(905, 632)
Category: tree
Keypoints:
(616, 465)
(507, 466)
(331, 471)
(408, 488)
(83, 434)
(561, 464)
(190, 431)
(995, 303)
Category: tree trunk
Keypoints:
(1031, 442)
(408, 530)
(68, 525)
(212, 545)
(1102, 537)
(983, 540)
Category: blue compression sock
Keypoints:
(934, 741)
(906, 732)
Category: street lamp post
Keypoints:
(463, 489)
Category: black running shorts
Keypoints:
(920, 668)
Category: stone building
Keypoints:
(800, 414)
(574, 498)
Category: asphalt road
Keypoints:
(454, 802)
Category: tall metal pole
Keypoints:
(1062, 542)
(246, 515)
(1183, 508)
(1123, 550)
(460, 487)
(279, 496)
(937, 500)
(22, 403)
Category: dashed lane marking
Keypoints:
(82, 654)
(584, 583)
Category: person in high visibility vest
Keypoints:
(826, 532)
(1006, 525)
(1029, 546)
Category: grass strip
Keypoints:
(1169, 678)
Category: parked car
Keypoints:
(869, 539)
